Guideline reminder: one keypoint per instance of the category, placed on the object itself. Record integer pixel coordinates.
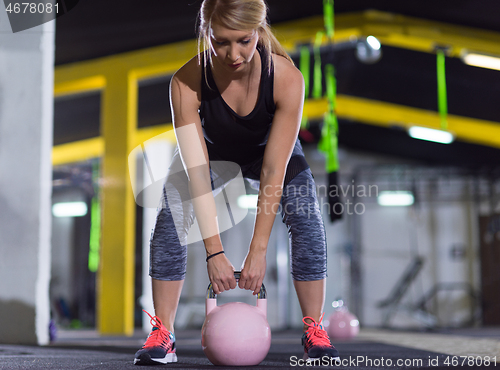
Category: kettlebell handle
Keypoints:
(237, 274)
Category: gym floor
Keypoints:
(372, 349)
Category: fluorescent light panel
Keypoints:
(69, 209)
(482, 60)
(429, 134)
(395, 198)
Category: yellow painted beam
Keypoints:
(419, 34)
(116, 273)
(144, 63)
(160, 131)
(70, 86)
(82, 150)
(391, 29)
(390, 115)
(365, 111)
(77, 151)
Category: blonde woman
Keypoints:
(240, 101)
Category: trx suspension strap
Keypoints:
(305, 68)
(95, 222)
(441, 84)
(329, 145)
(329, 139)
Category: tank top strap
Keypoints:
(267, 80)
(208, 85)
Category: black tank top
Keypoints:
(229, 136)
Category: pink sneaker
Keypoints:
(159, 346)
(317, 343)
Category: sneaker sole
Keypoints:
(145, 359)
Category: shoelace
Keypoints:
(316, 334)
(158, 336)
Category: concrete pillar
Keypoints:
(26, 115)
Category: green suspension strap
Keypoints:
(317, 77)
(328, 143)
(441, 82)
(305, 68)
(329, 133)
(328, 18)
(95, 222)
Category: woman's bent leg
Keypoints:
(168, 247)
(166, 296)
(301, 214)
(311, 295)
(168, 257)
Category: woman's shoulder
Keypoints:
(287, 77)
(189, 75)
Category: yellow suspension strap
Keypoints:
(329, 133)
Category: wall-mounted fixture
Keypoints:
(368, 50)
(429, 134)
(69, 209)
(395, 198)
(481, 60)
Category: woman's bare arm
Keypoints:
(289, 96)
(185, 101)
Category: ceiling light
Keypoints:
(69, 209)
(429, 134)
(395, 198)
(482, 60)
(247, 201)
(368, 50)
(373, 42)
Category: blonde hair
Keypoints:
(238, 15)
